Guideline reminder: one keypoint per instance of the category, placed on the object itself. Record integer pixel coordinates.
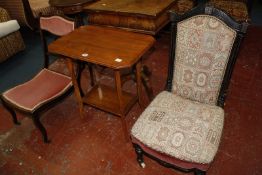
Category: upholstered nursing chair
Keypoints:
(47, 87)
(182, 126)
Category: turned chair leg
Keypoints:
(11, 111)
(38, 124)
(139, 153)
(199, 172)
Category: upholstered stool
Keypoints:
(34, 93)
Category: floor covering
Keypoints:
(95, 145)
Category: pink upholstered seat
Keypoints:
(171, 160)
(45, 86)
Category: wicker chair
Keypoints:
(27, 12)
(11, 43)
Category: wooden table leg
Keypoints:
(121, 107)
(76, 87)
(91, 73)
(145, 77)
(138, 83)
(79, 19)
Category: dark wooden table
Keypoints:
(72, 7)
(110, 47)
(145, 16)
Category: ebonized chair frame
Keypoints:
(35, 115)
(239, 28)
(31, 20)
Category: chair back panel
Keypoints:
(56, 25)
(203, 48)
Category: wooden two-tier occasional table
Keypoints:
(110, 47)
(144, 16)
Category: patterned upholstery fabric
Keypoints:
(183, 6)
(12, 43)
(202, 50)
(237, 10)
(181, 128)
(45, 86)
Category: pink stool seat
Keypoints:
(45, 86)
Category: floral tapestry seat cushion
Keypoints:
(180, 128)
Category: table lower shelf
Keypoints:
(106, 98)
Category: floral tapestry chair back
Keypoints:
(203, 46)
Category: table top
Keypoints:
(64, 3)
(110, 47)
(143, 7)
